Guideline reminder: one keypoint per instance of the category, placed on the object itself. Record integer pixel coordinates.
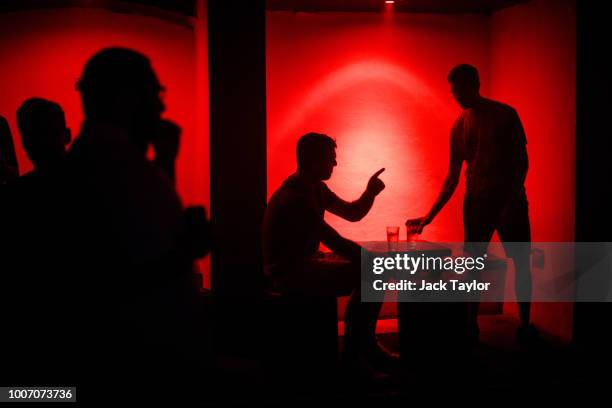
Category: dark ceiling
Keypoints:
(179, 7)
(412, 6)
(188, 7)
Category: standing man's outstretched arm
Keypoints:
(448, 188)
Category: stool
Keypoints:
(300, 334)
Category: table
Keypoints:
(427, 330)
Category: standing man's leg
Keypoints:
(515, 232)
(479, 219)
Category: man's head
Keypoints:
(316, 155)
(44, 134)
(465, 85)
(119, 86)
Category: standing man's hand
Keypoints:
(376, 185)
(417, 224)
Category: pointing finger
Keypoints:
(378, 173)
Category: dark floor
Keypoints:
(496, 367)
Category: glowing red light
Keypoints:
(389, 2)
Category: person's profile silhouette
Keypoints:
(136, 239)
(44, 134)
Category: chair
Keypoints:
(300, 335)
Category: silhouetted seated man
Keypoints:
(489, 137)
(135, 243)
(294, 228)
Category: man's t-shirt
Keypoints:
(491, 140)
(293, 224)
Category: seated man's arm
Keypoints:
(338, 244)
(356, 210)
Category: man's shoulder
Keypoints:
(286, 193)
(501, 108)
(293, 192)
(324, 188)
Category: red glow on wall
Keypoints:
(378, 85)
(43, 53)
(533, 67)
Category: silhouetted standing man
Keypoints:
(33, 260)
(489, 137)
(9, 281)
(37, 195)
(135, 243)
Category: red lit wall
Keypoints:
(43, 53)
(377, 83)
(533, 67)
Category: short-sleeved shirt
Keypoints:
(491, 140)
(292, 227)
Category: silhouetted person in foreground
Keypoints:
(294, 228)
(8, 173)
(135, 243)
(33, 260)
(489, 137)
(44, 134)
(9, 170)
(37, 195)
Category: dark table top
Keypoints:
(418, 247)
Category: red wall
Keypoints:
(533, 67)
(376, 83)
(43, 53)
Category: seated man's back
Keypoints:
(293, 223)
